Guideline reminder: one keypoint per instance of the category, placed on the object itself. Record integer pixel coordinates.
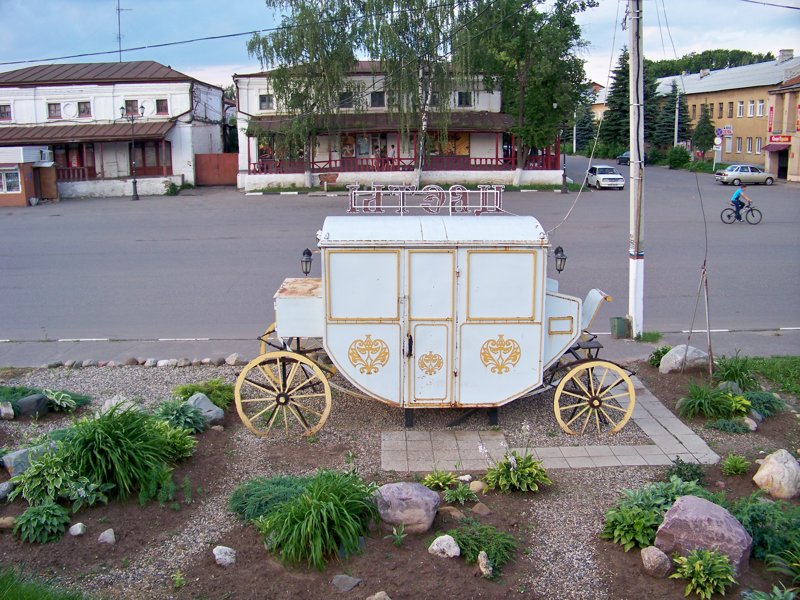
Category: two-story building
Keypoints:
(366, 142)
(105, 122)
(783, 148)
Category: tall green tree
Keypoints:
(585, 128)
(664, 134)
(703, 138)
(708, 59)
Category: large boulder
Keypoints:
(673, 360)
(779, 475)
(409, 504)
(34, 405)
(18, 461)
(695, 523)
(211, 411)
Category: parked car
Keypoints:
(603, 176)
(625, 158)
(738, 174)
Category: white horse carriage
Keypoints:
(431, 311)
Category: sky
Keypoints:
(47, 29)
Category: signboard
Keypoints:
(717, 140)
(771, 118)
(780, 139)
(797, 125)
(727, 130)
(718, 131)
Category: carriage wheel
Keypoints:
(270, 342)
(594, 394)
(283, 390)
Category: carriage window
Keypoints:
(501, 285)
(363, 285)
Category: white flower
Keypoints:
(526, 428)
(512, 460)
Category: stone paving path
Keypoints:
(414, 450)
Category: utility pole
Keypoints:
(677, 112)
(636, 246)
(119, 28)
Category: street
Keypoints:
(206, 263)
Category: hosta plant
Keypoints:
(734, 464)
(656, 355)
(45, 522)
(84, 492)
(707, 572)
(517, 473)
(46, 479)
(777, 593)
(178, 413)
(439, 480)
(178, 442)
(461, 494)
(60, 401)
(739, 405)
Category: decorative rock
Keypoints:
(103, 363)
(196, 362)
(184, 362)
(165, 363)
(451, 512)
(465, 478)
(235, 360)
(18, 461)
(150, 362)
(119, 403)
(34, 405)
(77, 529)
(7, 523)
(477, 486)
(218, 428)
(379, 596)
(655, 562)
(409, 504)
(140, 360)
(444, 546)
(779, 475)
(5, 489)
(131, 361)
(218, 362)
(107, 537)
(225, 557)
(481, 509)
(756, 416)
(693, 523)
(205, 361)
(89, 362)
(345, 583)
(55, 364)
(69, 364)
(483, 565)
(673, 360)
(730, 386)
(211, 411)
(751, 424)
(6, 411)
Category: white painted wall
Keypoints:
(113, 188)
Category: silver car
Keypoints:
(603, 176)
(738, 174)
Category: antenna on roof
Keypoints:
(119, 28)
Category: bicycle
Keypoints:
(749, 213)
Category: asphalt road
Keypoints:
(205, 264)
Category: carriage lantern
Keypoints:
(305, 262)
(561, 258)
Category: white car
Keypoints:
(603, 176)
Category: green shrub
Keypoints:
(678, 157)
(219, 392)
(157, 486)
(82, 491)
(179, 443)
(42, 523)
(656, 355)
(737, 369)
(765, 403)
(686, 471)
(777, 593)
(121, 447)
(178, 413)
(517, 473)
(170, 189)
(739, 405)
(439, 480)
(259, 496)
(733, 465)
(704, 401)
(472, 537)
(702, 166)
(59, 401)
(17, 586)
(774, 526)
(398, 535)
(708, 572)
(787, 561)
(461, 494)
(729, 426)
(46, 479)
(326, 519)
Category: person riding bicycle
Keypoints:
(736, 200)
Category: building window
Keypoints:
(749, 145)
(162, 107)
(132, 107)
(54, 111)
(738, 145)
(694, 111)
(84, 109)
(266, 102)
(377, 99)
(464, 99)
(740, 109)
(730, 110)
(758, 145)
(5, 112)
(719, 110)
(346, 100)
(760, 111)
(9, 181)
(728, 144)
(751, 108)
(434, 101)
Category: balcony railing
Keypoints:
(75, 173)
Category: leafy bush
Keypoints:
(46, 479)
(734, 464)
(178, 413)
(82, 491)
(439, 480)
(766, 403)
(739, 405)
(327, 518)
(461, 494)
(656, 355)
(709, 572)
(787, 561)
(170, 189)
(777, 593)
(42, 523)
(774, 526)
(179, 443)
(472, 537)
(259, 496)
(737, 369)
(158, 485)
(517, 473)
(729, 426)
(686, 471)
(705, 401)
(219, 392)
(678, 157)
(121, 447)
(59, 401)
(13, 394)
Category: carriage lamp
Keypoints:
(561, 258)
(305, 262)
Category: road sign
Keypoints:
(718, 131)
(717, 140)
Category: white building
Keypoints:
(83, 113)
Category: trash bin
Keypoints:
(620, 328)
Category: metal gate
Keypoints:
(216, 169)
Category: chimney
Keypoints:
(704, 73)
(784, 55)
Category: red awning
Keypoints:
(775, 147)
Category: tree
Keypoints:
(664, 134)
(708, 59)
(585, 129)
(703, 138)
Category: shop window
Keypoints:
(266, 102)
(162, 107)
(464, 99)
(132, 107)
(54, 110)
(9, 181)
(84, 109)
(377, 99)
(760, 110)
(5, 112)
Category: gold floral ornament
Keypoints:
(370, 354)
(430, 363)
(500, 354)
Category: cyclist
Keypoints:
(736, 200)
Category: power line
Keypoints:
(771, 4)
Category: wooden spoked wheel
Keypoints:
(283, 390)
(594, 394)
(269, 340)
(312, 349)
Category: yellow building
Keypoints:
(783, 148)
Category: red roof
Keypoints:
(92, 73)
(62, 134)
(459, 121)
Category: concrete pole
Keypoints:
(636, 247)
(677, 111)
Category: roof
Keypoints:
(61, 134)
(432, 230)
(361, 67)
(92, 73)
(459, 121)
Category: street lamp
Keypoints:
(132, 118)
(563, 163)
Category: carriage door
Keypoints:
(430, 289)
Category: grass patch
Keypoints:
(651, 337)
(14, 372)
(15, 586)
(218, 391)
(783, 371)
(260, 496)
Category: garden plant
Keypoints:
(472, 537)
(707, 572)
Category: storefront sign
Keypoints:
(728, 130)
(771, 118)
(780, 139)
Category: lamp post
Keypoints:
(563, 163)
(132, 118)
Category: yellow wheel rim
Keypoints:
(267, 335)
(594, 395)
(282, 391)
